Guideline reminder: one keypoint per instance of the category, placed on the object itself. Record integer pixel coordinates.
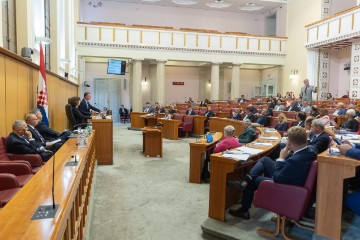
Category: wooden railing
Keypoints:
(73, 187)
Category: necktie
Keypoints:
(87, 104)
(39, 135)
(305, 89)
(25, 139)
(313, 138)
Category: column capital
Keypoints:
(137, 59)
(236, 64)
(216, 63)
(161, 60)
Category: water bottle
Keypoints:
(89, 128)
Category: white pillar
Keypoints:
(326, 8)
(312, 66)
(354, 91)
(54, 36)
(137, 91)
(25, 36)
(160, 81)
(235, 81)
(324, 75)
(153, 83)
(130, 69)
(357, 2)
(81, 79)
(215, 77)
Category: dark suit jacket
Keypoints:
(123, 112)
(190, 113)
(148, 110)
(294, 169)
(319, 144)
(249, 116)
(79, 117)
(292, 109)
(46, 132)
(248, 135)
(172, 111)
(37, 137)
(209, 114)
(282, 127)
(236, 117)
(354, 152)
(85, 109)
(263, 120)
(352, 125)
(300, 124)
(18, 145)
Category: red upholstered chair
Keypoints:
(22, 171)
(287, 201)
(9, 186)
(187, 125)
(33, 159)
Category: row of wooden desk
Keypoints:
(73, 187)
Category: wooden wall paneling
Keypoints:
(24, 91)
(2, 94)
(11, 96)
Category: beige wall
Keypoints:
(300, 13)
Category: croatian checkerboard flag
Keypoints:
(42, 103)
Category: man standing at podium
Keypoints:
(85, 105)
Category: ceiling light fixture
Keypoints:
(250, 7)
(218, 4)
(185, 2)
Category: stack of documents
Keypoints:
(270, 138)
(242, 153)
(262, 144)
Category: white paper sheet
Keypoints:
(270, 138)
(249, 150)
(240, 157)
(262, 144)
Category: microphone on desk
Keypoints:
(101, 106)
(74, 156)
(53, 182)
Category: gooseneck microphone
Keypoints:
(53, 182)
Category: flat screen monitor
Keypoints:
(116, 67)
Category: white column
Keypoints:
(354, 92)
(324, 74)
(130, 69)
(357, 2)
(235, 81)
(222, 84)
(54, 36)
(312, 66)
(160, 81)
(215, 77)
(326, 8)
(137, 92)
(25, 36)
(81, 79)
(203, 83)
(152, 81)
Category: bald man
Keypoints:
(306, 92)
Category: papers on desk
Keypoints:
(262, 144)
(270, 130)
(348, 136)
(334, 150)
(242, 153)
(270, 138)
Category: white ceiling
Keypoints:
(235, 4)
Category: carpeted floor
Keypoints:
(151, 198)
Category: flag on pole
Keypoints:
(42, 103)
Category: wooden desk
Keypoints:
(73, 186)
(196, 152)
(103, 140)
(170, 128)
(199, 125)
(332, 170)
(136, 121)
(221, 169)
(152, 142)
(218, 124)
(149, 120)
(222, 114)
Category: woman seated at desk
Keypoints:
(78, 116)
(351, 124)
(283, 124)
(229, 142)
(167, 114)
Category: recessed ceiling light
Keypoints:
(251, 7)
(218, 4)
(151, 0)
(185, 2)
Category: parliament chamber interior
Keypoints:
(181, 119)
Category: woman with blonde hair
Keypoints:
(283, 124)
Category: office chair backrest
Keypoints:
(70, 116)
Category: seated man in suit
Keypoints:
(319, 139)
(124, 112)
(340, 109)
(249, 134)
(287, 169)
(242, 99)
(305, 107)
(248, 114)
(279, 106)
(32, 121)
(46, 132)
(190, 111)
(263, 118)
(85, 105)
(21, 141)
(292, 107)
(236, 114)
(148, 108)
(300, 119)
(351, 150)
(172, 109)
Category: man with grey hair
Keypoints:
(319, 139)
(340, 109)
(21, 141)
(45, 131)
(306, 92)
(249, 134)
(351, 124)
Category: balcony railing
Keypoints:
(168, 39)
(335, 31)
